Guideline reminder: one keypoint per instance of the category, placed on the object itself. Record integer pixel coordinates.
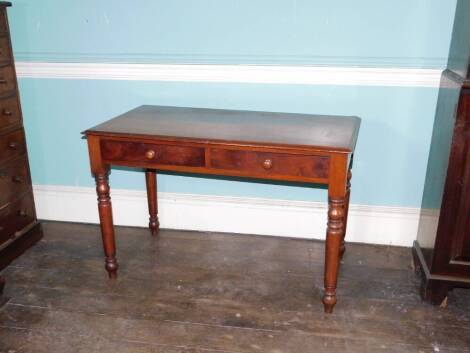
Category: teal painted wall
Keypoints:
(391, 153)
(397, 121)
(343, 32)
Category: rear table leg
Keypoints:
(346, 208)
(151, 181)
(336, 215)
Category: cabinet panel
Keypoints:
(12, 145)
(5, 53)
(7, 80)
(443, 243)
(14, 179)
(461, 243)
(3, 20)
(10, 115)
(16, 216)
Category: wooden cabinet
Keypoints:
(19, 228)
(442, 249)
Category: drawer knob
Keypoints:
(13, 145)
(3, 81)
(16, 179)
(7, 112)
(150, 154)
(22, 213)
(267, 164)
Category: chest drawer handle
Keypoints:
(7, 112)
(150, 154)
(16, 179)
(22, 213)
(13, 145)
(267, 164)
(3, 81)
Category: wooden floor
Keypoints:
(213, 293)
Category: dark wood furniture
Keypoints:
(19, 228)
(275, 146)
(442, 249)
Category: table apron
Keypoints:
(266, 163)
(220, 172)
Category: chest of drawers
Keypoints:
(19, 228)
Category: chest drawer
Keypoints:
(16, 216)
(267, 163)
(12, 144)
(5, 54)
(9, 112)
(133, 152)
(7, 79)
(3, 21)
(14, 179)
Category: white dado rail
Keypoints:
(261, 74)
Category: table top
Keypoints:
(337, 133)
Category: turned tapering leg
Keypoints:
(334, 236)
(337, 185)
(151, 181)
(346, 212)
(106, 221)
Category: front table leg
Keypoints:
(334, 237)
(337, 196)
(106, 222)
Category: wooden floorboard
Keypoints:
(208, 292)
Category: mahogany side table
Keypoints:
(275, 146)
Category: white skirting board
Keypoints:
(298, 219)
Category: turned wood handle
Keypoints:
(150, 154)
(13, 145)
(267, 164)
(7, 112)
